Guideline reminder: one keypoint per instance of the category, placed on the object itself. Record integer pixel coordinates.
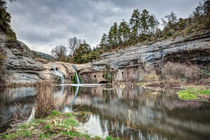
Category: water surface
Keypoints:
(131, 113)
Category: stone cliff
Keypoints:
(20, 67)
(130, 63)
(126, 64)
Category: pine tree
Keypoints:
(113, 36)
(145, 21)
(124, 31)
(110, 37)
(153, 23)
(135, 24)
(5, 19)
(104, 42)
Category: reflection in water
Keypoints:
(129, 113)
(15, 100)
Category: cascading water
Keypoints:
(58, 73)
(75, 69)
(78, 81)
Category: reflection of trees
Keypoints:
(151, 116)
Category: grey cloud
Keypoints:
(46, 23)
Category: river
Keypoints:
(131, 113)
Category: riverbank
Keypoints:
(55, 126)
(185, 91)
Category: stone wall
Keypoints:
(93, 77)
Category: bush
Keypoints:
(45, 103)
(183, 72)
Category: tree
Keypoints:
(207, 13)
(104, 42)
(60, 52)
(206, 7)
(124, 32)
(153, 23)
(112, 37)
(5, 19)
(144, 20)
(115, 34)
(172, 19)
(135, 24)
(73, 43)
(82, 53)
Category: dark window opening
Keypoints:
(94, 76)
(103, 76)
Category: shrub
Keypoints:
(45, 103)
(190, 73)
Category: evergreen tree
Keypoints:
(206, 8)
(135, 24)
(124, 32)
(207, 13)
(145, 21)
(113, 36)
(104, 42)
(153, 23)
(110, 36)
(5, 19)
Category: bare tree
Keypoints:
(74, 43)
(60, 52)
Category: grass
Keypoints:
(140, 83)
(55, 126)
(187, 96)
(192, 93)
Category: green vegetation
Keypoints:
(56, 125)
(192, 93)
(187, 96)
(142, 28)
(140, 83)
(5, 19)
(108, 74)
(74, 80)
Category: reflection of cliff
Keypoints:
(19, 100)
(160, 114)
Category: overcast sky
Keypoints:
(43, 24)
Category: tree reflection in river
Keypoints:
(128, 113)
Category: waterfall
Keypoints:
(75, 69)
(58, 73)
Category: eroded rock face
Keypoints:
(19, 65)
(195, 49)
(129, 64)
(21, 68)
(154, 53)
